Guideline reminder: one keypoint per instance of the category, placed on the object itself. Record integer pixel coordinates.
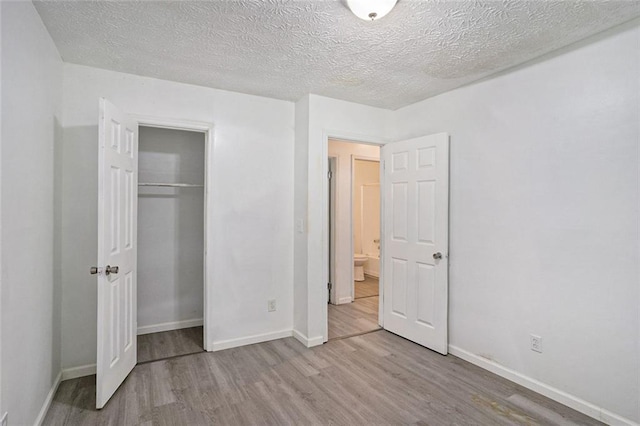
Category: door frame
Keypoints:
(352, 138)
(378, 160)
(208, 129)
(332, 204)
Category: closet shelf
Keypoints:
(172, 185)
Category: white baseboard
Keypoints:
(557, 395)
(48, 400)
(249, 340)
(342, 300)
(75, 372)
(167, 326)
(309, 343)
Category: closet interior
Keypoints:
(171, 188)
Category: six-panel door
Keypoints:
(416, 212)
(117, 219)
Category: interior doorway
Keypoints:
(354, 219)
(171, 192)
(414, 243)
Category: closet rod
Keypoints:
(173, 185)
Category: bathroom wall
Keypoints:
(343, 151)
(170, 230)
(365, 172)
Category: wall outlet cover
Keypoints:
(536, 343)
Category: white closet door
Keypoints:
(416, 239)
(117, 246)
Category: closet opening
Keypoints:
(171, 242)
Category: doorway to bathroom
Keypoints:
(414, 266)
(354, 238)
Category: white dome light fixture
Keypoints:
(370, 10)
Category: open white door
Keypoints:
(117, 245)
(416, 239)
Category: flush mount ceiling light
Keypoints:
(370, 10)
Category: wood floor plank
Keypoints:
(377, 378)
(348, 319)
(166, 344)
(367, 288)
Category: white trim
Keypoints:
(333, 215)
(315, 341)
(342, 300)
(167, 326)
(557, 395)
(309, 343)
(208, 129)
(249, 340)
(171, 123)
(300, 337)
(81, 371)
(47, 402)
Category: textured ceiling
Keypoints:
(286, 49)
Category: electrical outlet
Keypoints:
(536, 343)
(271, 305)
(5, 419)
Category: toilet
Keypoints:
(358, 266)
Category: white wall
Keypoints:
(544, 156)
(31, 95)
(300, 240)
(170, 227)
(544, 217)
(317, 119)
(252, 199)
(344, 238)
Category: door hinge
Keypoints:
(329, 286)
(329, 175)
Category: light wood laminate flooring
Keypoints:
(367, 288)
(377, 378)
(166, 344)
(350, 319)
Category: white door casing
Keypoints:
(117, 246)
(416, 229)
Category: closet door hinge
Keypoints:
(329, 175)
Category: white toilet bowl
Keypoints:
(358, 266)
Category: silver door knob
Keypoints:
(111, 270)
(93, 270)
(437, 255)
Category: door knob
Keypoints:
(107, 270)
(437, 255)
(111, 270)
